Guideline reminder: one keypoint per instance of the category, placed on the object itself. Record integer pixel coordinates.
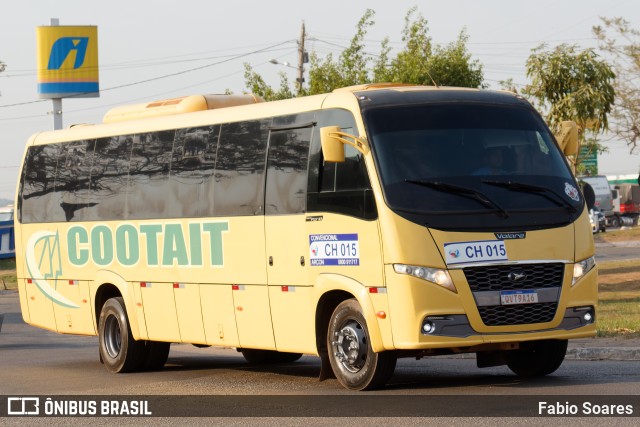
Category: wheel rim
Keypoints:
(351, 347)
(112, 337)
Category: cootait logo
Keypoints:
(63, 47)
(46, 265)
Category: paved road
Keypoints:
(38, 362)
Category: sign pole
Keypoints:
(57, 102)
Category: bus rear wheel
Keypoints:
(355, 364)
(118, 350)
(537, 358)
(156, 356)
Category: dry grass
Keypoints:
(8, 274)
(622, 235)
(619, 294)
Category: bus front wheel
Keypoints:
(537, 358)
(118, 350)
(355, 364)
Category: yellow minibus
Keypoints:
(361, 226)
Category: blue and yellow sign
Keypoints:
(68, 61)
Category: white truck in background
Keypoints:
(604, 197)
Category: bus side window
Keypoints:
(287, 171)
(148, 174)
(72, 181)
(39, 183)
(191, 179)
(240, 168)
(342, 188)
(109, 178)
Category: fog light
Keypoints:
(588, 317)
(428, 327)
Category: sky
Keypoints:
(151, 50)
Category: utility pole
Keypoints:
(303, 58)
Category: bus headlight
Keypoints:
(434, 275)
(582, 267)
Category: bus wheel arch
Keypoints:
(105, 292)
(118, 348)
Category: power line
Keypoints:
(266, 49)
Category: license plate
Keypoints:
(518, 297)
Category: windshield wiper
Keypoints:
(536, 189)
(462, 191)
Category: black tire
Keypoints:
(263, 357)
(157, 355)
(615, 222)
(537, 358)
(352, 359)
(118, 350)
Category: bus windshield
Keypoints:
(471, 166)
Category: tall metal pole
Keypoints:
(57, 102)
(301, 60)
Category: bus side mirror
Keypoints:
(589, 195)
(332, 147)
(568, 138)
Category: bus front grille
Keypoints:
(500, 277)
(497, 278)
(505, 315)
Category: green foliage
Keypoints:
(419, 62)
(452, 65)
(573, 85)
(624, 49)
(256, 85)
(351, 67)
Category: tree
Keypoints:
(352, 67)
(256, 85)
(419, 62)
(572, 85)
(626, 64)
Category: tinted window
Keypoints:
(192, 171)
(109, 177)
(287, 170)
(149, 168)
(470, 166)
(339, 187)
(39, 182)
(240, 166)
(72, 181)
